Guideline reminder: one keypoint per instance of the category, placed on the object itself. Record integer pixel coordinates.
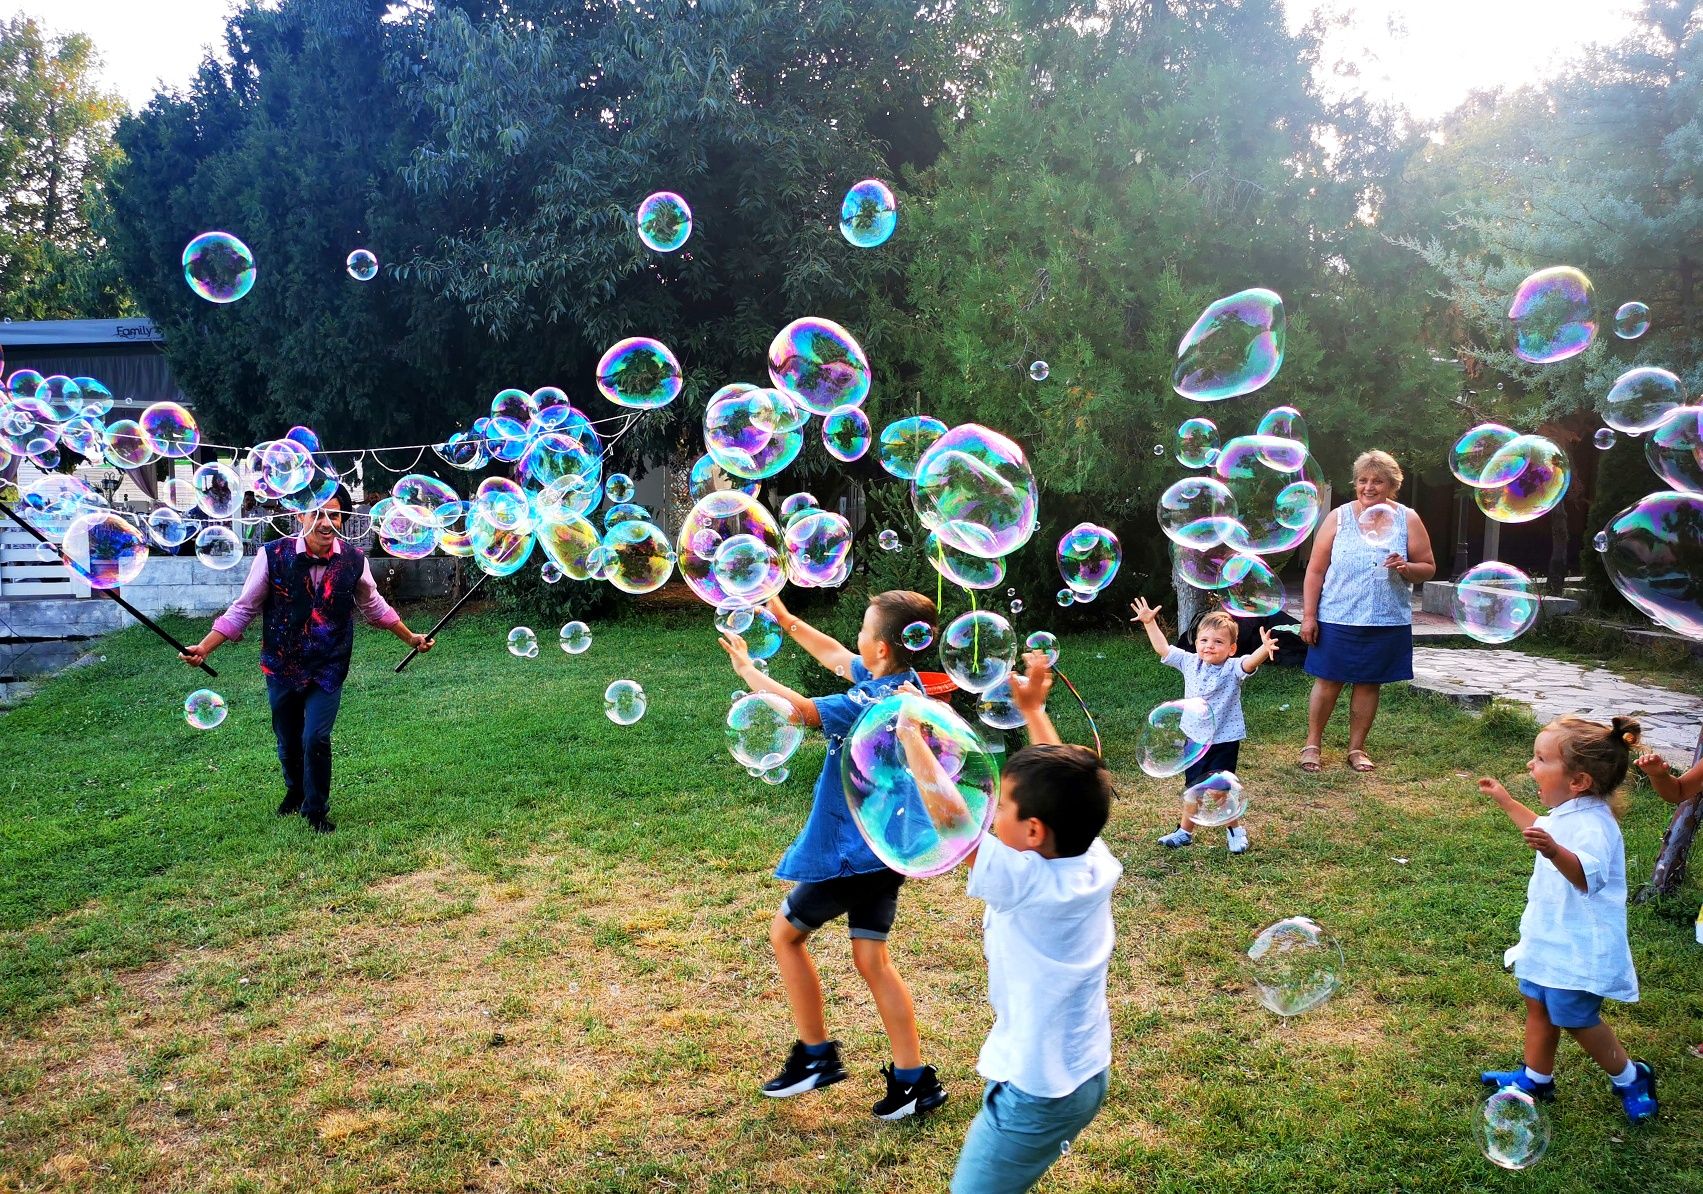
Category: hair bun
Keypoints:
(1626, 730)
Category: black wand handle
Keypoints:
(433, 632)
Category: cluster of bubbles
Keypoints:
(1514, 477)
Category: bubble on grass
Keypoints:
(574, 637)
(775, 775)
(1088, 558)
(918, 824)
(664, 221)
(218, 267)
(1494, 602)
(624, 702)
(105, 549)
(1234, 348)
(762, 731)
(1038, 370)
(1631, 320)
(998, 709)
(978, 649)
(888, 540)
(904, 441)
(1378, 524)
(1641, 399)
(1542, 473)
(362, 265)
(1675, 449)
(974, 489)
(1294, 965)
(1216, 800)
(1552, 316)
(1197, 442)
(640, 373)
(1044, 641)
(1175, 736)
(1604, 438)
(1196, 512)
(1512, 1128)
(204, 709)
(868, 214)
(1653, 553)
(217, 547)
(522, 643)
(846, 433)
(1469, 459)
(820, 363)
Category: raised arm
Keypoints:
(803, 708)
(1519, 814)
(1148, 616)
(1029, 694)
(1675, 789)
(940, 796)
(823, 649)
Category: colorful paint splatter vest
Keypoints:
(309, 631)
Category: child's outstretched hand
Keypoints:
(1029, 690)
(736, 650)
(1493, 788)
(1268, 641)
(1539, 840)
(1144, 613)
(1651, 763)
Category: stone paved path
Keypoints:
(1551, 688)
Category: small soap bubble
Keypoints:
(1197, 443)
(619, 488)
(1604, 438)
(775, 775)
(575, 637)
(1234, 348)
(1016, 605)
(1294, 965)
(624, 702)
(1175, 736)
(888, 540)
(523, 644)
(1158, 449)
(204, 709)
(1513, 1129)
(917, 636)
(1631, 320)
(218, 547)
(733, 619)
(1600, 541)
(1044, 641)
(362, 265)
(1552, 316)
(1066, 597)
(1038, 371)
(1378, 524)
(218, 267)
(869, 214)
(978, 650)
(664, 221)
(763, 637)
(550, 573)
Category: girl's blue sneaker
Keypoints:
(1638, 1096)
(1543, 1092)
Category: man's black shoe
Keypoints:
(321, 825)
(289, 806)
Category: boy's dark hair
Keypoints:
(1067, 789)
(896, 609)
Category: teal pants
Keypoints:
(1016, 1136)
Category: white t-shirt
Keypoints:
(1047, 933)
(1576, 940)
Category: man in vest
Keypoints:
(307, 590)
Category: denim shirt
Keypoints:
(830, 846)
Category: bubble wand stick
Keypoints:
(123, 604)
(433, 632)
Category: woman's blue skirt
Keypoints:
(1362, 654)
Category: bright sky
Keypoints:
(1426, 54)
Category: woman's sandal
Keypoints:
(1359, 760)
(1310, 760)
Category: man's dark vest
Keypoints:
(309, 628)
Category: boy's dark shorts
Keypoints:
(870, 903)
(1220, 756)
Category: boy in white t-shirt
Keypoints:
(1047, 880)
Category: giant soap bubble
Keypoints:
(1175, 736)
(921, 821)
(820, 363)
(1261, 472)
(1470, 458)
(664, 221)
(1234, 348)
(1675, 449)
(1494, 602)
(639, 372)
(1653, 552)
(1552, 316)
(1216, 800)
(749, 433)
(762, 731)
(1541, 472)
(568, 539)
(1641, 400)
(640, 560)
(1294, 965)
(974, 489)
(960, 567)
(218, 267)
(717, 518)
(818, 550)
(978, 650)
(1196, 512)
(106, 550)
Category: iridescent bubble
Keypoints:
(1675, 449)
(503, 504)
(707, 476)
(499, 550)
(1044, 641)
(1258, 470)
(1196, 512)
(1631, 320)
(523, 644)
(1285, 423)
(1552, 316)
(362, 265)
(1604, 438)
(868, 214)
(1294, 966)
(775, 775)
(624, 702)
(904, 441)
(25, 383)
(1175, 736)
(1251, 588)
(960, 567)
(106, 550)
(1378, 524)
(846, 433)
(998, 709)
(568, 539)
(641, 561)
(762, 731)
(1234, 348)
(1641, 400)
(124, 445)
(97, 399)
(1538, 486)
(734, 619)
(748, 568)
(974, 489)
(747, 433)
(218, 267)
(406, 531)
(219, 488)
(1088, 557)
(919, 825)
(59, 398)
(218, 547)
(820, 364)
(1493, 602)
(53, 502)
(1197, 443)
(978, 650)
(1066, 597)
(1298, 506)
(1038, 370)
(818, 550)
(280, 467)
(796, 503)
(729, 514)
(1216, 800)
(574, 638)
(1513, 1129)
(550, 573)
(888, 540)
(84, 435)
(1653, 552)
(1469, 459)
(169, 528)
(639, 372)
(463, 451)
(625, 512)
(664, 221)
(516, 405)
(204, 709)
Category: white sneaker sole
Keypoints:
(908, 1110)
(797, 1088)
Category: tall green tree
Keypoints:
(56, 150)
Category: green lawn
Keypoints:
(534, 955)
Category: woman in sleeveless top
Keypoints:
(1357, 612)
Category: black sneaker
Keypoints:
(289, 806)
(804, 1072)
(321, 825)
(914, 1098)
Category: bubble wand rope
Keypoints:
(1093, 728)
(123, 604)
(433, 632)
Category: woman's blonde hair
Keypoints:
(1381, 464)
(1602, 752)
